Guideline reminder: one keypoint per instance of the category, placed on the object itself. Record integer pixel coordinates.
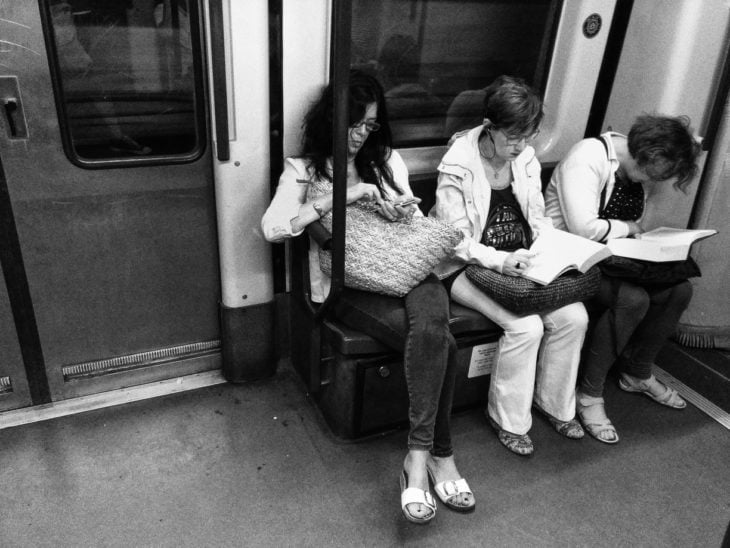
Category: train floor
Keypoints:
(254, 465)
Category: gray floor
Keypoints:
(253, 465)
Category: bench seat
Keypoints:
(346, 340)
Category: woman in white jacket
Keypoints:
(489, 187)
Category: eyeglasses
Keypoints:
(514, 140)
(370, 126)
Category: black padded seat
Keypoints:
(349, 341)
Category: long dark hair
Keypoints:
(371, 160)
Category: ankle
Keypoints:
(586, 399)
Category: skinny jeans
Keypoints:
(417, 326)
(634, 325)
(537, 360)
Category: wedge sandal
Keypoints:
(413, 495)
(447, 491)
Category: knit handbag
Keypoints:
(383, 256)
(525, 297)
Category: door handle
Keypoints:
(12, 108)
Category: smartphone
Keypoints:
(407, 202)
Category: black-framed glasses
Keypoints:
(370, 126)
(514, 140)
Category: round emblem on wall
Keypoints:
(592, 25)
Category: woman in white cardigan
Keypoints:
(489, 187)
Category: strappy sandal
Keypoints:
(570, 429)
(446, 491)
(519, 444)
(669, 397)
(413, 495)
(595, 421)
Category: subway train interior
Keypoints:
(165, 379)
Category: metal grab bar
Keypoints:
(342, 23)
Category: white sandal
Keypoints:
(669, 397)
(414, 495)
(450, 489)
(594, 419)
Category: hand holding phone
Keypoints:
(407, 202)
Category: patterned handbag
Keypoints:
(383, 256)
(524, 297)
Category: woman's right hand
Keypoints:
(516, 263)
(363, 191)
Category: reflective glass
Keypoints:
(435, 57)
(126, 73)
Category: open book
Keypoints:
(659, 245)
(558, 251)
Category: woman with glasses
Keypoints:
(415, 325)
(597, 191)
(489, 187)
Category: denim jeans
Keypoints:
(633, 328)
(537, 361)
(416, 325)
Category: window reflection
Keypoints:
(435, 57)
(126, 72)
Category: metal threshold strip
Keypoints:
(121, 396)
(699, 401)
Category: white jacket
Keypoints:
(292, 193)
(463, 196)
(572, 199)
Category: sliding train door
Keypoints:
(109, 248)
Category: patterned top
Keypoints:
(626, 202)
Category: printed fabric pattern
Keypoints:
(387, 257)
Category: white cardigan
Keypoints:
(292, 193)
(463, 196)
(572, 199)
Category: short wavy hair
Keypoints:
(665, 148)
(513, 106)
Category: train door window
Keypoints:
(435, 57)
(125, 73)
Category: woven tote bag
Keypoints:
(387, 257)
(525, 297)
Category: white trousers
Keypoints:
(537, 360)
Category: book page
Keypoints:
(660, 245)
(647, 250)
(675, 236)
(557, 251)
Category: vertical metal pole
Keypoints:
(342, 23)
(276, 127)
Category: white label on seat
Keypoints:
(482, 359)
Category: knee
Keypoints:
(434, 329)
(577, 317)
(633, 300)
(527, 328)
(682, 294)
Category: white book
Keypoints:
(659, 245)
(557, 252)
